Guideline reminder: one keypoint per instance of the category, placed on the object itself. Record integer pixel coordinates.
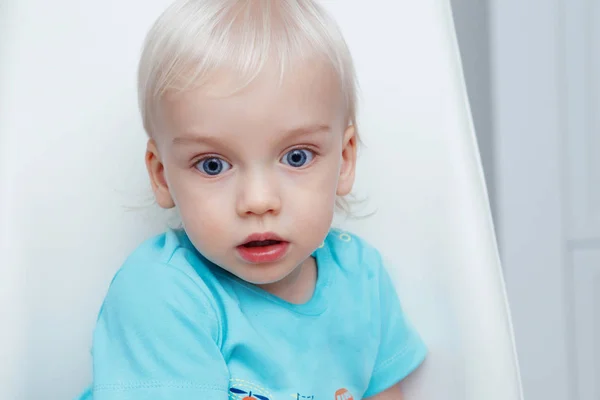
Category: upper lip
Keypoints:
(259, 237)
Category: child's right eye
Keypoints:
(212, 166)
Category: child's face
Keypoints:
(268, 160)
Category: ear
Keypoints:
(156, 171)
(348, 166)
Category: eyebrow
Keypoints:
(192, 138)
(305, 130)
(211, 139)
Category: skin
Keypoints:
(393, 393)
(258, 189)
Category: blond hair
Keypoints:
(193, 39)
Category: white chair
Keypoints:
(71, 165)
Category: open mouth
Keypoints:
(263, 248)
(261, 243)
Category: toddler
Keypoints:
(250, 110)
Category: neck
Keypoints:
(299, 286)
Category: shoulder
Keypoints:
(163, 276)
(353, 253)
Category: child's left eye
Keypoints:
(298, 157)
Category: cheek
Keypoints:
(324, 178)
(204, 209)
(207, 226)
(312, 196)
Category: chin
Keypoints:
(264, 277)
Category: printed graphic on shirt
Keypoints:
(343, 394)
(240, 389)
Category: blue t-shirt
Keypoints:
(175, 326)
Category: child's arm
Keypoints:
(401, 349)
(393, 393)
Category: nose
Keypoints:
(258, 195)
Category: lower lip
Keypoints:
(263, 254)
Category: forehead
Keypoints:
(309, 93)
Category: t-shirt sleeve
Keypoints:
(401, 349)
(157, 338)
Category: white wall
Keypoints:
(12, 317)
(528, 113)
(515, 55)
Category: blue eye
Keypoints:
(298, 158)
(213, 166)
